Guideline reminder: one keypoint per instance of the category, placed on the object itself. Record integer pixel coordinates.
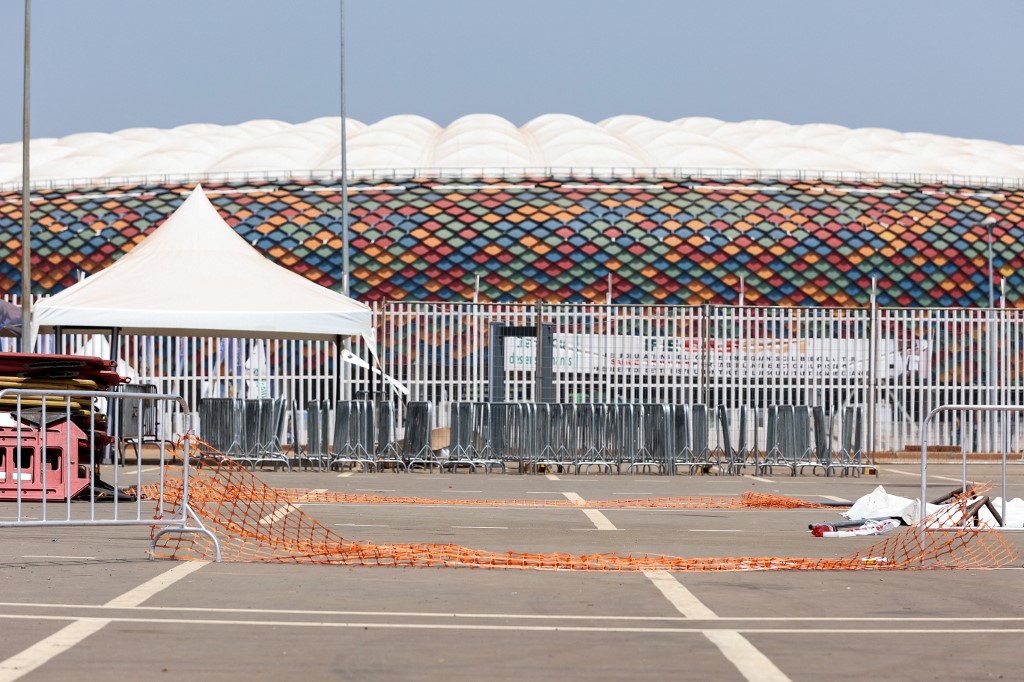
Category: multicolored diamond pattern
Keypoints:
(667, 241)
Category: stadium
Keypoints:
(627, 210)
(677, 262)
(753, 300)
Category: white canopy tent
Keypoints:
(194, 276)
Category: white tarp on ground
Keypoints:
(194, 276)
(1014, 516)
(879, 504)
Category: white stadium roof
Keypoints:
(487, 144)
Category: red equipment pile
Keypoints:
(68, 420)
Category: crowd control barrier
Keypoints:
(966, 415)
(570, 437)
(51, 445)
(248, 431)
(658, 438)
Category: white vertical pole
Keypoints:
(873, 369)
(344, 156)
(26, 206)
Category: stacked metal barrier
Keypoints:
(701, 455)
(592, 424)
(562, 437)
(417, 449)
(139, 422)
(355, 435)
(744, 454)
(387, 448)
(245, 430)
(851, 451)
(470, 443)
(317, 450)
(220, 425)
(822, 441)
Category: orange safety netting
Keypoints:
(255, 522)
(747, 500)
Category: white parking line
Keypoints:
(597, 518)
(482, 527)
(277, 515)
(368, 625)
(762, 480)
(679, 596)
(71, 634)
(324, 613)
(54, 556)
(552, 477)
(752, 664)
(917, 474)
(137, 595)
(42, 651)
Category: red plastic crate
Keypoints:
(39, 450)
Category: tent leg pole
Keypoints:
(115, 343)
(337, 368)
(373, 382)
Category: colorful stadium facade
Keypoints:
(562, 225)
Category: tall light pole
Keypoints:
(26, 204)
(988, 223)
(344, 160)
(991, 379)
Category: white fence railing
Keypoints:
(896, 363)
(51, 449)
(591, 172)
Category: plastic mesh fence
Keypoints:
(747, 500)
(255, 522)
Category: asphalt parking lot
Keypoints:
(86, 603)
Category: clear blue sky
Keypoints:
(940, 66)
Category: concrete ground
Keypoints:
(85, 603)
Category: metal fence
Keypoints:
(51, 450)
(896, 364)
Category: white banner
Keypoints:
(660, 356)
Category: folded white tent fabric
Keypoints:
(194, 276)
(1014, 516)
(879, 504)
